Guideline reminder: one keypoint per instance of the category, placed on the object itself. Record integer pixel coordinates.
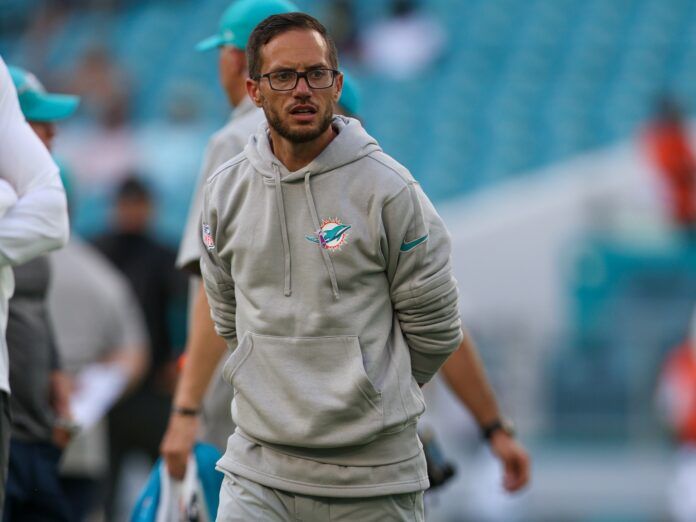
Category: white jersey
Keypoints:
(38, 220)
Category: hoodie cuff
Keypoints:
(423, 367)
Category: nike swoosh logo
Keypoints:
(410, 245)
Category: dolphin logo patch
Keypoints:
(332, 234)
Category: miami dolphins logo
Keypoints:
(332, 234)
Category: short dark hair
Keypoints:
(279, 24)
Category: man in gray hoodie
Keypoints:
(328, 273)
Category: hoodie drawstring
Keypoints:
(283, 229)
(324, 254)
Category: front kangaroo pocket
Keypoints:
(311, 392)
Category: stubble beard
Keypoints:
(301, 135)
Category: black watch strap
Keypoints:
(489, 429)
(186, 412)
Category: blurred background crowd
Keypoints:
(555, 138)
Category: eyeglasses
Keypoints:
(287, 80)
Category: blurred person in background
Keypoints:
(236, 24)
(41, 417)
(102, 149)
(33, 220)
(671, 152)
(160, 290)
(342, 24)
(405, 44)
(102, 340)
(465, 376)
(677, 401)
(99, 81)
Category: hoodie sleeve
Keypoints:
(38, 221)
(216, 273)
(423, 289)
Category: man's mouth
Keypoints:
(303, 109)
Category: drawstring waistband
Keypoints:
(283, 229)
(317, 226)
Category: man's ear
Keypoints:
(338, 83)
(254, 91)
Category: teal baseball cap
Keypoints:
(239, 20)
(36, 103)
(350, 99)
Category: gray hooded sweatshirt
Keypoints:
(333, 287)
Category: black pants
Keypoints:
(83, 495)
(33, 491)
(5, 427)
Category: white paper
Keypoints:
(98, 387)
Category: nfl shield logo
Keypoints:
(207, 237)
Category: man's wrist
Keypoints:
(185, 411)
(499, 424)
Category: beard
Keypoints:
(300, 135)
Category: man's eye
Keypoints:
(317, 74)
(284, 76)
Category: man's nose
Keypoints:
(302, 88)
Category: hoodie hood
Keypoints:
(351, 144)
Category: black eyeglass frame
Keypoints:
(298, 76)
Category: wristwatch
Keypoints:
(68, 425)
(186, 412)
(500, 423)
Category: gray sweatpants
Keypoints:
(242, 500)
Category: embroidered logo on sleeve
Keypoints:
(332, 234)
(208, 238)
(410, 245)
